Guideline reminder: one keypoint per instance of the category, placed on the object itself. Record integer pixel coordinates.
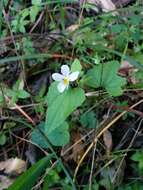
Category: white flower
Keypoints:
(65, 78)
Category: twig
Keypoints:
(122, 160)
(99, 134)
(21, 111)
(23, 139)
(37, 22)
(92, 167)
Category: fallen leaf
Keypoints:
(13, 166)
(77, 151)
(107, 137)
(125, 64)
(5, 182)
(73, 27)
(127, 70)
(106, 5)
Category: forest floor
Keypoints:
(71, 95)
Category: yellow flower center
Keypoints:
(66, 81)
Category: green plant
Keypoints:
(84, 54)
(62, 104)
(138, 157)
(134, 186)
(2, 138)
(103, 76)
(25, 17)
(17, 92)
(28, 179)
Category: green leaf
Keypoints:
(88, 119)
(1, 99)
(22, 94)
(51, 179)
(76, 66)
(62, 106)
(95, 186)
(53, 93)
(10, 92)
(29, 178)
(139, 77)
(138, 157)
(118, 28)
(36, 2)
(19, 85)
(105, 75)
(38, 138)
(22, 29)
(135, 186)
(2, 139)
(34, 10)
(138, 57)
(58, 137)
(24, 13)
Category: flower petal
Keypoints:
(65, 70)
(61, 87)
(73, 76)
(57, 77)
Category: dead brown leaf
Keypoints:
(10, 167)
(127, 70)
(77, 151)
(5, 182)
(76, 148)
(107, 137)
(13, 166)
(106, 5)
(73, 27)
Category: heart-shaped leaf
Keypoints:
(105, 75)
(58, 137)
(61, 106)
